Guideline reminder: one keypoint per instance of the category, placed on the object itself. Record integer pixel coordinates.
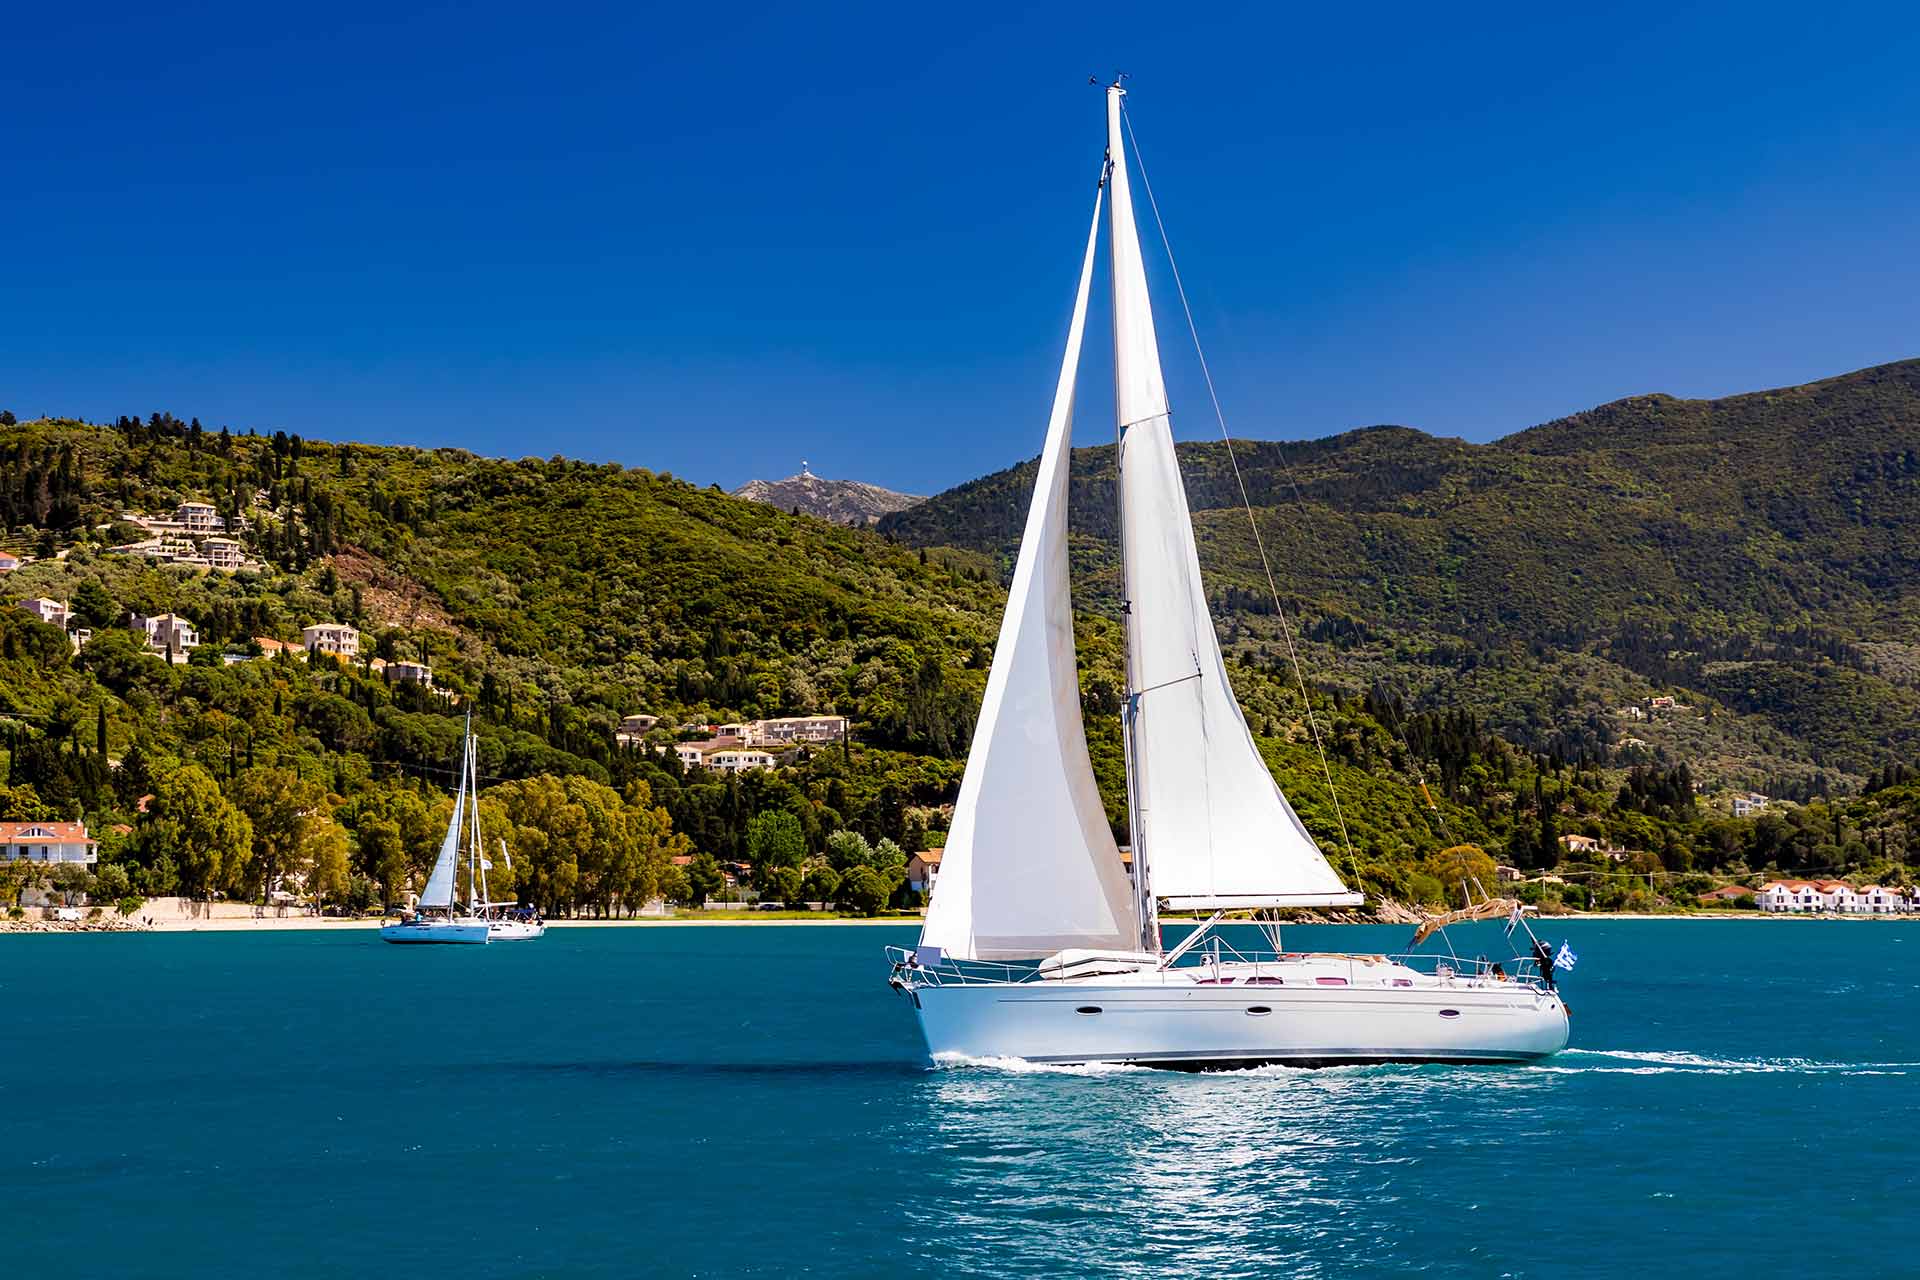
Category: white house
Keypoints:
(923, 869)
(47, 842)
(786, 729)
(168, 633)
(1820, 895)
(222, 553)
(739, 759)
(333, 638)
(1748, 805)
(410, 673)
(199, 518)
(1878, 900)
(52, 612)
(634, 729)
(9, 562)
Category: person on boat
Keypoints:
(1499, 972)
(1543, 955)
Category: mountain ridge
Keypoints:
(852, 502)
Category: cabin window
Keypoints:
(1449, 1013)
(1258, 1011)
(1088, 1008)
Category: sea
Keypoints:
(1741, 1099)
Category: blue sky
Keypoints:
(717, 239)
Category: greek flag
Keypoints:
(1565, 959)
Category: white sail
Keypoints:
(439, 890)
(1210, 825)
(1030, 866)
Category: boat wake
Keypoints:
(1633, 1062)
(1022, 1067)
(1656, 1062)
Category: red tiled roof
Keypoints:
(16, 832)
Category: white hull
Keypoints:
(467, 932)
(1192, 1019)
(515, 930)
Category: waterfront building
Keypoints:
(47, 842)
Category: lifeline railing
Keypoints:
(1267, 968)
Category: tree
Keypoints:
(676, 886)
(864, 891)
(775, 841)
(292, 830)
(383, 856)
(782, 884)
(704, 878)
(1458, 864)
(195, 830)
(822, 883)
(94, 605)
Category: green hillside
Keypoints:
(1475, 617)
(1757, 556)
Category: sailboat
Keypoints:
(437, 918)
(1035, 945)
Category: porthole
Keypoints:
(1258, 1011)
(1088, 1008)
(1449, 1013)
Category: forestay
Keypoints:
(1209, 822)
(1030, 866)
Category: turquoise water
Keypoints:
(1743, 1099)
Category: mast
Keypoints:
(1146, 908)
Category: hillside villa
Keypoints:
(52, 612)
(9, 562)
(334, 639)
(634, 729)
(194, 536)
(1746, 806)
(47, 842)
(739, 759)
(737, 746)
(168, 634)
(789, 729)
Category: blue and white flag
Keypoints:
(1565, 959)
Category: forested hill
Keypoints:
(1759, 555)
(1487, 622)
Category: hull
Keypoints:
(1175, 1021)
(515, 930)
(457, 932)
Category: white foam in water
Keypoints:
(1674, 1061)
(1633, 1062)
(1020, 1066)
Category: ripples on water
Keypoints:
(735, 1102)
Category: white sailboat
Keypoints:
(1035, 946)
(437, 917)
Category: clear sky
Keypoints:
(715, 240)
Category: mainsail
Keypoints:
(1210, 827)
(439, 890)
(1030, 865)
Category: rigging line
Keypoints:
(1413, 760)
(1286, 624)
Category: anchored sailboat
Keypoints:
(1034, 945)
(437, 918)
